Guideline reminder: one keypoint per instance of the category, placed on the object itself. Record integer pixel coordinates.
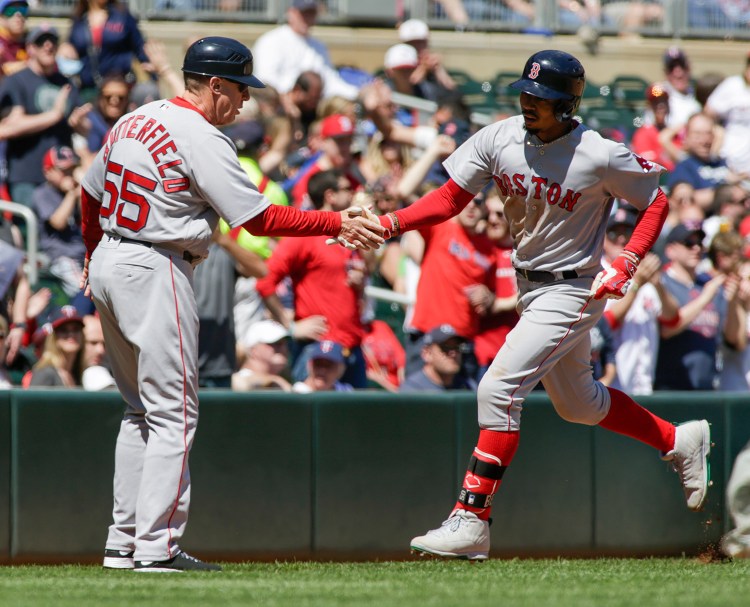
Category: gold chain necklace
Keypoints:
(542, 145)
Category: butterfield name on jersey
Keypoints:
(159, 143)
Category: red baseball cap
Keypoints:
(60, 157)
(336, 125)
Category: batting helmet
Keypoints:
(554, 75)
(222, 57)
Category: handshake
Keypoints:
(360, 229)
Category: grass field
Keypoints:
(505, 583)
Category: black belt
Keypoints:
(542, 276)
(186, 255)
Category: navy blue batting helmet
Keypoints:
(223, 57)
(554, 75)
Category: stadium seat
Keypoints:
(501, 86)
(629, 91)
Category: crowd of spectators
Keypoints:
(296, 314)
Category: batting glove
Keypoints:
(613, 282)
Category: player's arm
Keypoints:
(359, 230)
(613, 282)
(435, 207)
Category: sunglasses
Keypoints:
(116, 96)
(12, 9)
(448, 348)
(692, 242)
(241, 87)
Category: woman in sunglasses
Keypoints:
(13, 15)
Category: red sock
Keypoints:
(627, 417)
(492, 455)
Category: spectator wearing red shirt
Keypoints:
(336, 132)
(384, 355)
(326, 281)
(655, 141)
(456, 284)
(495, 326)
(13, 15)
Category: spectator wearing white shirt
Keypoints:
(729, 104)
(283, 53)
(635, 319)
(682, 101)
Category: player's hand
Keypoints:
(613, 282)
(84, 283)
(360, 229)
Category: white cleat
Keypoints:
(462, 536)
(689, 458)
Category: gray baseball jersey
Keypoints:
(165, 175)
(557, 195)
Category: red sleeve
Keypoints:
(279, 266)
(277, 220)
(610, 318)
(437, 206)
(648, 227)
(92, 231)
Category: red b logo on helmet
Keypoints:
(534, 72)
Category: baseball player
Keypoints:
(558, 179)
(151, 200)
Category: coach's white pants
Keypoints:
(147, 306)
(550, 343)
(737, 541)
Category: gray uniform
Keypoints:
(557, 199)
(164, 177)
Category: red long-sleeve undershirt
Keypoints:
(443, 203)
(275, 220)
(92, 231)
(648, 226)
(279, 220)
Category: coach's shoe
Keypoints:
(692, 446)
(182, 562)
(118, 559)
(462, 536)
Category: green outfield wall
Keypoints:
(355, 476)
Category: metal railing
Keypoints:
(668, 18)
(32, 231)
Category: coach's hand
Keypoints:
(613, 282)
(360, 229)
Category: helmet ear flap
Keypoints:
(566, 108)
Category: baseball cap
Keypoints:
(673, 57)
(686, 234)
(623, 216)
(328, 350)
(6, 3)
(64, 315)
(97, 378)
(336, 125)
(247, 135)
(441, 334)
(60, 157)
(413, 29)
(656, 93)
(401, 56)
(41, 334)
(39, 35)
(264, 332)
(305, 5)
